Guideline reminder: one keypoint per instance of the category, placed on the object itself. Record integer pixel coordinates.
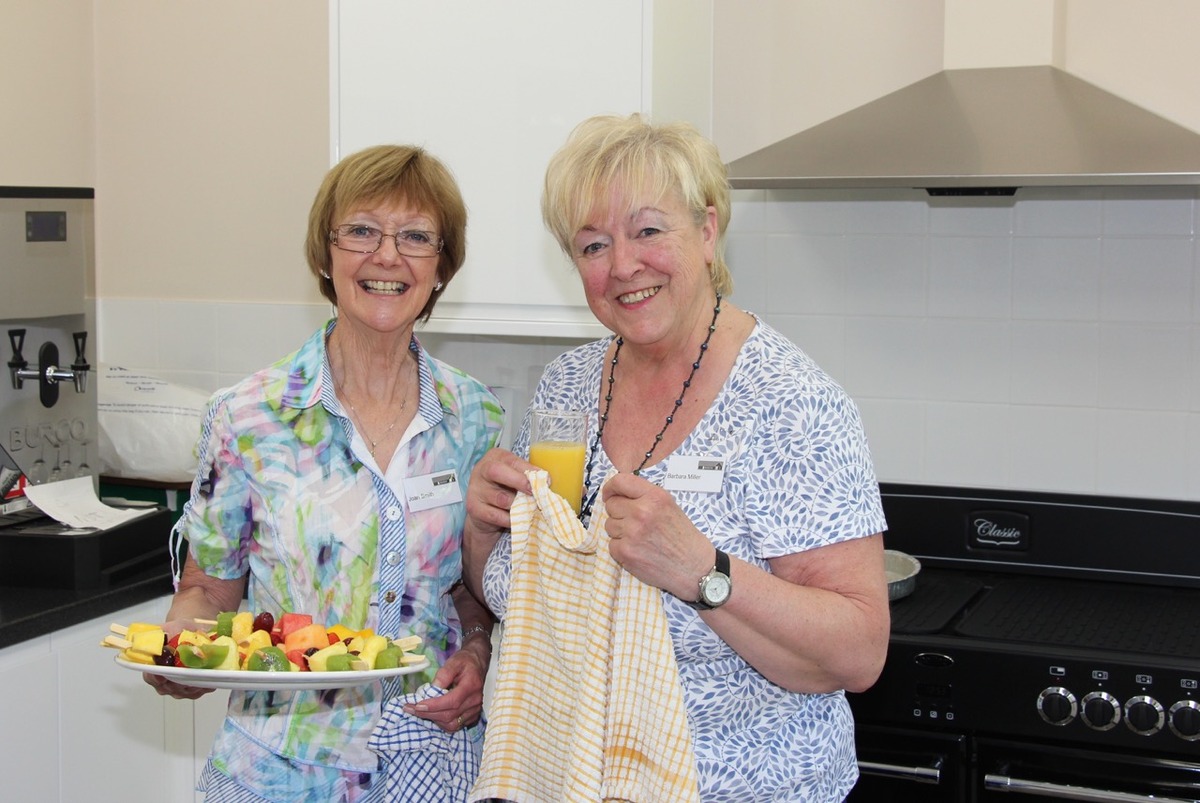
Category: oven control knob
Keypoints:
(1057, 705)
(1144, 715)
(1101, 711)
(1184, 719)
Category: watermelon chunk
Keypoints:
(291, 622)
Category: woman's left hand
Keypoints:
(462, 676)
(652, 539)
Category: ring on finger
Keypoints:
(460, 722)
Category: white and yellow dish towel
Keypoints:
(587, 705)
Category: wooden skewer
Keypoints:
(120, 630)
(408, 643)
(116, 642)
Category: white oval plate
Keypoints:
(273, 681)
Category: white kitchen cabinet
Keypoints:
(78, 727)
(493, 89)
(29, 711)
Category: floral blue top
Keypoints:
(280, 494)
(798, 475)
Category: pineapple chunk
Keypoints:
(372, 646)
(148, 641)
(135, 657)
(317, 661)
(194, 637)
(256, 641)
(231, 657)
(243, 625)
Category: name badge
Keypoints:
(687, 473)
(432, 490)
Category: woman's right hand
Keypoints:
(165, 686)
(495, 482)
(169, 688)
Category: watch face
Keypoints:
(716, 589)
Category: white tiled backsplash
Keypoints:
(1047, 342)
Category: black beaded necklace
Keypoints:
(586, 510)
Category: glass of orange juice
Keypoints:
(557, 443)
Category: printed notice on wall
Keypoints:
(74, 503)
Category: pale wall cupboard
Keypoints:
(493, 89)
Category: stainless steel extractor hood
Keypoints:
(979, 131)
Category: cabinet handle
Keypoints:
(1003, 783)
(930, 775)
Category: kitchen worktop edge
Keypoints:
(30, 612)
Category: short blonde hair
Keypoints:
(389, 174)
(629, 154)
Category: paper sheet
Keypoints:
(74, 503)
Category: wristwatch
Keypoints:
(715, 587)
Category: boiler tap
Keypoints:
(80, 368)
(48, 373)
(16, 338)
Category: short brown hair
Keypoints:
(397, 174)
(630, 154)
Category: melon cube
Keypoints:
(312, 635)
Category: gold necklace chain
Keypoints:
(357, 419)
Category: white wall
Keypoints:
(46, 104)
(1051, 343)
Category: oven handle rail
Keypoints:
(1003, 783)
(930, 775)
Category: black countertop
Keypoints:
(50, 580)
(27, 613)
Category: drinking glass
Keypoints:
(557, 443)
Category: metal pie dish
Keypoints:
(901, 570)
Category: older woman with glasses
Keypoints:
(332, 483)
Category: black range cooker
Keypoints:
(1050, 650)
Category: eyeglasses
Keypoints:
(361, 239)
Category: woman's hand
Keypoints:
(199, 597)
(495, 482)
(169, 688)
(462, 676)
(652, 539)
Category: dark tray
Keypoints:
(44, 554)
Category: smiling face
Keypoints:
(645, 268)
(384, 291)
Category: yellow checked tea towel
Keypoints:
(587, 705)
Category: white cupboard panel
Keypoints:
(492, 89)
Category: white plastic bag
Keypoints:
(149, 428)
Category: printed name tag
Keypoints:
(687, 473)
(432, 490)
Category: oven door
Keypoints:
(905, 766)
(1020, 772)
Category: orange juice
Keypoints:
(564, 462)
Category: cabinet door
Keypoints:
(110, 726)
(492, 89)
(29, 713)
